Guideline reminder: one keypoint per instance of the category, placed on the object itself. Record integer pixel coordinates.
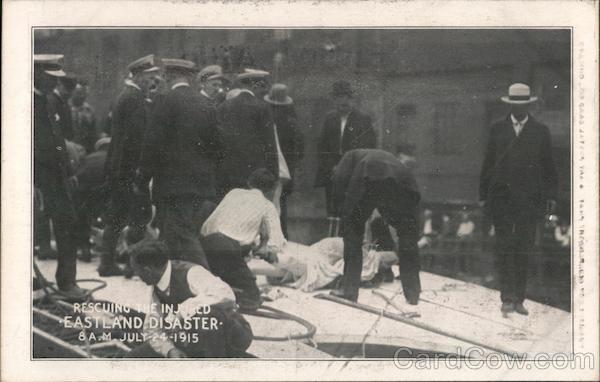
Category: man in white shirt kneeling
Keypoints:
(231, 232)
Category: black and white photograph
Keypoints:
(246, 194)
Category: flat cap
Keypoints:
(252, 73)
(210, 72)
(50, 63)
(144, 64)
(176, 64)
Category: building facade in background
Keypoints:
(437, 89)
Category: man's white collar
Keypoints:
(129, 82)
(515, 121)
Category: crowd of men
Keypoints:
(209, 159)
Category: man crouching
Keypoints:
(184, 296)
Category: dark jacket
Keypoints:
(290, 138)
(61, 108)
(362, 167)
(358, 134)
(182, 147)
(518, 173)
(51, 163)
(247, 126)
(90, 174)
(128, 127)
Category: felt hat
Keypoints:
(518, 94)
(341, 88)
(278, 95)
(50, 63)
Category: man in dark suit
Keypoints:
(181, 151)
(247, 126)
(129, 120)
(518, 178)
(52, 175)
(366, 179)
(344, 129)
(58, 102)
(290, 143)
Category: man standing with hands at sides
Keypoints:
(51, 171)
(366, 179)
(247, 126)
(129, 121)
(518, 184)
(344, 129)
(180, 153)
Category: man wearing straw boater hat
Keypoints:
(518, 184)
(290, 145)
(52, 174)
(129, 121)
(180, 154)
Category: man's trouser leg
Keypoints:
(226, 260)
(354, 230)
(525, 231)
(60, 210)
(403, 217)
(116, 220)
(181, 223)
(504, 250)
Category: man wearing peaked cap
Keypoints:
(129, 122)
(518, 185)
(52, 174)
(247, 125)
(210, 81)
(181, 151)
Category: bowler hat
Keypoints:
(144, 64)
(518, 94)
(50, 63)
(278, 95)
(341, 88)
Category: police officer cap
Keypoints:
(145, 64)
(252, 74)
(179, 65)
(50, 63)
(211, 72)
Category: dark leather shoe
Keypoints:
(413, 300)
(46, 254)
(86, 255)
(73, 293)
(507, 307)
(108, 270)
(519, 308)
(340, 294)
(128, 271)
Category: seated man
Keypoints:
(192, 312)
(230, 233)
